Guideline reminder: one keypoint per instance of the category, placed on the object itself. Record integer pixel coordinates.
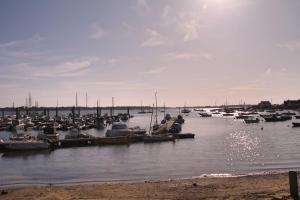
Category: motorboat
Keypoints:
(278, 118)
(121, 129)
(228, 114)
(251, 120)
(185, 111)
(49, 134)
(99, 123)
(204, 114)
(296, 124)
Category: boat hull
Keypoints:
(184, 135)
(158, 138)
(296, 124)
(24, 146)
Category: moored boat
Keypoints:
(204, 114)
(158, 138)
(277, 118)
(121, 129)
(22, 145)
(296, 124)
(251, 120)
(113, 140)
(183, 135)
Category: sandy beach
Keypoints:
(270, 186)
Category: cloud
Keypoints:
(17, 43)
(268, 71)
(291, 46)
(141, 7)
(188, 56)
(166, 11)
(97, 32)
(185, 23)
(26, 48)
(104, 83)
(70, 68)
(65, 69)
(252, 86)
(157, 70)
(283, 70)
(192, 29)
(154, 39)
(107, 84)
(8, 86)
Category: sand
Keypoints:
(271, 186)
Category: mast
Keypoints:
(112, 105)
(97, 109)
(56, 111)
(73, 115)
(155, 108)
(76, 101)
(151, 120)
(164, 109)
(86, 100)
(29, 100)
(17, 113)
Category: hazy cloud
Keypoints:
(291, 46)
(188, 56)
(97, 32)
(268, 71)
(154, 39)
(157, 70)
(141, 7)
(18, 43)
(65, 69)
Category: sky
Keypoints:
(193, 52)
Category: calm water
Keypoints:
(221, 145)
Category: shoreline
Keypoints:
(96, 182)
(263, 186)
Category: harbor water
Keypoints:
(222, 145)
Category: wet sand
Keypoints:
(270, 186)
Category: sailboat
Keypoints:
(142, 109)
(157, 133)
(185, 110)
(99, 121)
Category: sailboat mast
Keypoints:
(155, 108)
(151, 120)
(86, 100)
(97, 109)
